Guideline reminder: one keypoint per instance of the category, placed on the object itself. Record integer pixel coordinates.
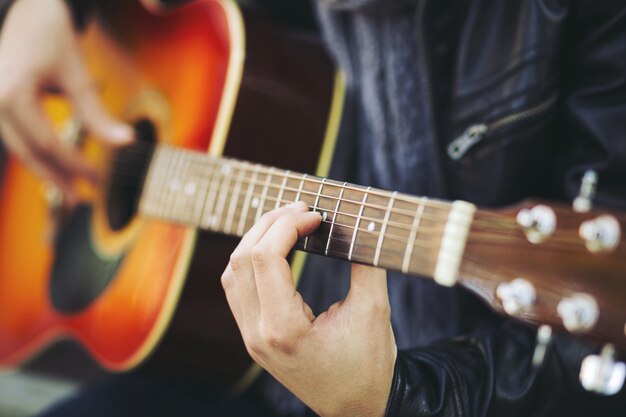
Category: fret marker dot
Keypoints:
(371, 226)
(174, 185)
(255, 202)
(190, 188)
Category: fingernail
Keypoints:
(121, 134)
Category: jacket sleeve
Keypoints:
(489, 373)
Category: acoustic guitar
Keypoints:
(133, 272)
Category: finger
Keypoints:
(368, 288)
(29, 158)
(228, 283)
(259, 229)
(240, 288)
(239, 282)
(274, 280)
(36, 130)
(81, 90)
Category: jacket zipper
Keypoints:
(475, 133)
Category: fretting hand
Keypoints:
(339, 363)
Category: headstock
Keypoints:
(548, 264)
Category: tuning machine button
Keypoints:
(578, 312)
(601, 234)
(517, 296)
(539, 222)
(601, 373)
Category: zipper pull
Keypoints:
(472, 135)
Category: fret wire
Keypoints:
(161, 190)
(154, 176)
(248, 199)
(268, 179)
(411, 214)
(174, 186)
(201, 185)
(234, 200)
(186, 201)
(225, 171)
(282, 189)
(381, 237)
(211, 200)
(207, 177)
(302, 180)
(358, 223)
(317, 200)
(433, 249)
(374, 192)
(332, 226)
(413, 236)
(305, 178)
(397, 238)
(370, 219)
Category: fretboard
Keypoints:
(395, 231)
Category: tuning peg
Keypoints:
(601, 234)
(539, 222)
(579, 312)
(601, 374)
(544, 337)
(517, 296)
(582, 203)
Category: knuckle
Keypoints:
(227, 280)
(277, 340)
(254, 348)
(237, 259)
(380, 308)
(259, 256)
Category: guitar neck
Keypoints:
(360, 224)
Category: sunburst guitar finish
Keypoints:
(203, 77)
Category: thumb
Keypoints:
(368, 287)
(92, 113)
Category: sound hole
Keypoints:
(128, 171)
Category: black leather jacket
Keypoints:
(547, 80)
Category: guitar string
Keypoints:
(487, 222)
(402, 238)
(433, 203)
(395, 224)
(205, 159)
(244, 167)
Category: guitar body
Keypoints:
(203, 77)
